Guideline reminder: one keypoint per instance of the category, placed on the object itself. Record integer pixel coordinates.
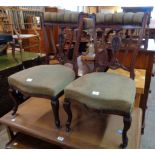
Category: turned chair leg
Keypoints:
(14, 97)
(21, 50)
(55, 108)
(67, 108)
(127, 123)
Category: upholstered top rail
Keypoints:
(61, 17)
(122, 18)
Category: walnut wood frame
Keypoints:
(54, 99)
(126, 116)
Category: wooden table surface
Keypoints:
(89, 129)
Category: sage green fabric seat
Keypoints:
(44, 79)
(103, 91)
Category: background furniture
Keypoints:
(116, 95)
(17, 20)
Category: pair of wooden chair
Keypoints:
(106, 92)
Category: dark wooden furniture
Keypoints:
(56, 89)
(145, 60)
(33, 119)
(87, 90)
(12, 67)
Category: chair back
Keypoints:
(117, 40)
(13, 19)
(5, 21)
(68, 23)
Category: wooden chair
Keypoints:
(47, 81)
(15, 26)
(108, 92)
(4, 36)
(65, 45)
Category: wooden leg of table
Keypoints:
(144, 97)
(137, 100)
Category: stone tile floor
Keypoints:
(147, 140)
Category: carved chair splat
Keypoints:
(109, 93)
(47, 81)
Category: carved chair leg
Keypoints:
(67, 108)
(21, 50)
(13, 95)
(127, 123)
(55, 107)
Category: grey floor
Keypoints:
(147, 140)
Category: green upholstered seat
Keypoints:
(42, 80)
(103, 91)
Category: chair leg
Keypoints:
(127, 123)
(14, 97)
(21, 48)
(67, 108)
(13, 53)
(55, 107)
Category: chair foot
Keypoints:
(14, 97)
(55, 108)
(127, 123)
(67, 109)
(122, 146)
